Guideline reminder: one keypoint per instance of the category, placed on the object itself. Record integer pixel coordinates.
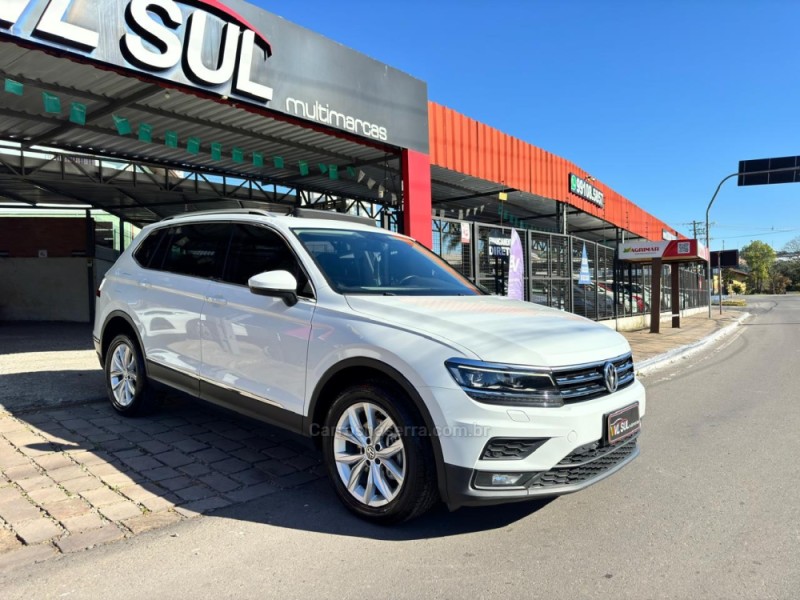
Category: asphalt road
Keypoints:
(709, 510)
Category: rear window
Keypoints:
(197, 250)
(148, 249)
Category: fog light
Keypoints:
(505, 478)
(484, 479)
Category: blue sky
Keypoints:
(659, 100)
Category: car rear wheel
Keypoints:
(126, 380)
(377, 454)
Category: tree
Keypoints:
(792, 245)
(737, 287)
(791, 270)
(760, 258)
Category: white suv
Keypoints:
(416, 384)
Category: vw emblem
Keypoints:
(610, 376)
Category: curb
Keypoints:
(655, 362)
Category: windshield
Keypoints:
(366, 262)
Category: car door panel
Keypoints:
(256, 345)
(179, 266)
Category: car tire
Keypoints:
(128, 389)
(378, 454)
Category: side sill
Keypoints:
(226, 398)
(173, 378)
(250, 407)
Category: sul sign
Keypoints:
(161, 36)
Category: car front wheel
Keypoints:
(379, 458)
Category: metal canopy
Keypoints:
(459, 196)
(49, 159)
(140, 181)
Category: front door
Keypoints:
(255, 347)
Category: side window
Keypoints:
(148, 249)
(256, 249)
(197, 250)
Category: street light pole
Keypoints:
(709, 281)
(708, 239)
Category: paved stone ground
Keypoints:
(77, 477)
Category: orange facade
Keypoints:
(467, 146)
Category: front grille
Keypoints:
(584, 464)
(511, 448)
(586, 382)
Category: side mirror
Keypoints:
(278, 284)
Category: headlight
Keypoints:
(509, 385)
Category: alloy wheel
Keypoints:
(370, 455)
(122, 375)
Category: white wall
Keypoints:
(44, 289)
(642, 321)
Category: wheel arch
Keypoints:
(118, 322)
(339, 376)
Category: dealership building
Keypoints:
(118, 113)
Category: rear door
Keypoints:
(173, 286)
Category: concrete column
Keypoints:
(417, 221)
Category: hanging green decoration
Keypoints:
(77, 113)
(216, 151)
(122, 124)
(238, 155)
(193, 145)
(258, 159)
(277, 162)
(171, 138)
(52, 103)
(351, 172)
(145, 132)
(14, 87)
(303, 168)
(323, 168)
(333, 171)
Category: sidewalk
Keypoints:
(651, 348)
(75, 474)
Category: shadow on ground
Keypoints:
(190, 458)
(315, 508)
(24, 392)
(45, 336)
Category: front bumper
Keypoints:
(574, 473)
(568, 454)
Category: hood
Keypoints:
(497, 329)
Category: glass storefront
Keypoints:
(553, 268)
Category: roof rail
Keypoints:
(310, 213)
(222, 211)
